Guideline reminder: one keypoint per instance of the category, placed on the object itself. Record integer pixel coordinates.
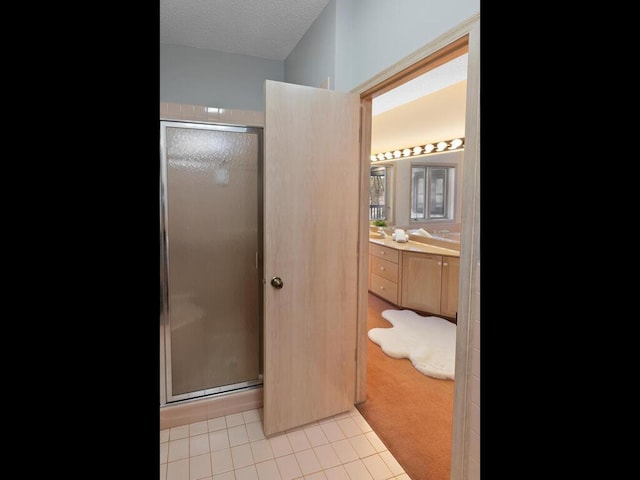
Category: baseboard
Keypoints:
(204, 409)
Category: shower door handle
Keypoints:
(276, 282)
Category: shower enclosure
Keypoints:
(211, 257)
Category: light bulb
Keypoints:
(455, 143)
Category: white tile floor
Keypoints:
(234, 447)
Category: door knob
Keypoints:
(276, 282)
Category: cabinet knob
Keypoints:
(381, 252)
(381, 288)
(381, 268)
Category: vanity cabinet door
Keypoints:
(421, 281)
(450, 281)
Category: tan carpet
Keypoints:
(410, 412)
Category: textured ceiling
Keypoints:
(261, 28)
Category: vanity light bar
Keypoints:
(448, 145)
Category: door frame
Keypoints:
(464, 37)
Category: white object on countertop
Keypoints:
(400, 236)
(422, 232)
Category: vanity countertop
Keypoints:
(412, 246)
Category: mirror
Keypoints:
(428, 108)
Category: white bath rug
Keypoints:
(428, 342)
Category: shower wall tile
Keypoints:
(257, 118)
(187, 112)
(224, 115)
(183, 414)
(213, 114)
(174, 111)
(200, 113)
(230, 115)
(208, 409)
(240, 117)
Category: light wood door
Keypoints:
(311, 212)
(450, 282)
(421, 281)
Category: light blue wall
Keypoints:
(317, 44)
(325, 51)
(215, 79)
(385, 32)
(370, 36)
(344, 46)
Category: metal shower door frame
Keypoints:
(166, 395)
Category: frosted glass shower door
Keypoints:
(210, 222)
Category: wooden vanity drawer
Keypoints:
(384, 268)
(384, 288)
(390, 254)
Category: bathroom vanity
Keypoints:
(416, 275)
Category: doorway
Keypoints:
(450, 52)
(412, 412)
(465, 38)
